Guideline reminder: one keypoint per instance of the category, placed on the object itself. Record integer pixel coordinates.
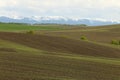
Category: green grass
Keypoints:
(17, 47)
(94, 59)
(25, 27)
(103, 60)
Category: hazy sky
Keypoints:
(105, 9)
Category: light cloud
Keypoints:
(106, 9)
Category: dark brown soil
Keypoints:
(58, 44)
(7, 50)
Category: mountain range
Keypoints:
(56, 20)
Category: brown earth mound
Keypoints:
(58, 44)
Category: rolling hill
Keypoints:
(99, 34)
(58, 54)
(58, 44)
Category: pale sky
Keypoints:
(94, 9)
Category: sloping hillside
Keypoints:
(21, 62)
(100, 34)
(58, 44)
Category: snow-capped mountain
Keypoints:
(56, 20)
